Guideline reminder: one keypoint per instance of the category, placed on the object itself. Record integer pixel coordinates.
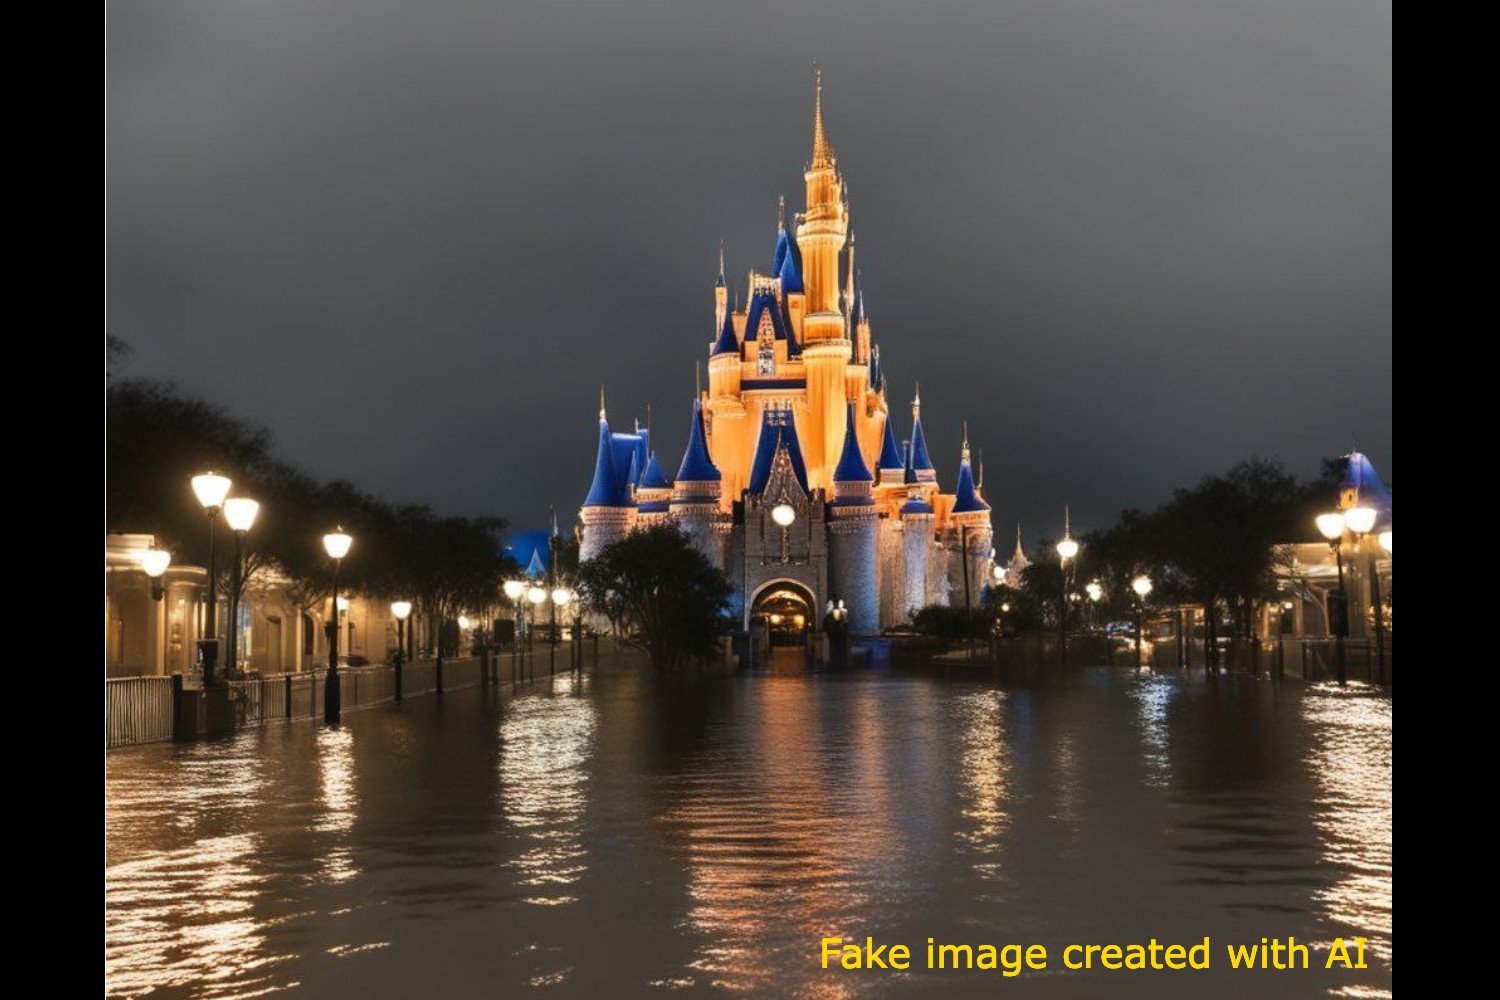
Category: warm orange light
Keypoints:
(336, 543)
(155, 562)
(401, 610)
(211, 489)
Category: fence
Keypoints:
(152, 709)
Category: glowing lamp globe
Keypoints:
(401, 610)
(784, 514)
(1141, 585)
(155, 562)
(343, 604)
(561, 596)
(211, 488)
(336, 543)
(1067, 548)
(999, 574)
(1095, 591)
(514, 589)
(1331, 526)
(240, 512)
(536, 595)
(1385, 541)
(1360, 519)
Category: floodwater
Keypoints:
(631, 836)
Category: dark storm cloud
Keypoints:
(1131, 241)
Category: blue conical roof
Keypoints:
(890, 451)
(1363, 483)
(535, 569)
(777, 430)
(608, 489)
(728, 342)
(790, 274)
(783, 250)
(916, 505)
(965, 500)
(764, 303)
(911, 473)
(652, 479)
(851, 467)
(696, 466)
(919, 460)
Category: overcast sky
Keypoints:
(1131, 241)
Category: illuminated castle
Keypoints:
(795, 480)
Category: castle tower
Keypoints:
(917, 538)
(851, 529)
(652, 494)
(825, 347)
(695, 495)
(609, 510)
(970, 517)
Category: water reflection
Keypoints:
(1351, 731)
(629, 836)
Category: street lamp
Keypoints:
(154, 562)
(513, 591)
(1331, 527)
(210, 488)
(240, 513)
(400, 610)
(336, 543)
(1067, 549)
(1385, 541)
(784, 514)
(1360, 520)
(1142, 586)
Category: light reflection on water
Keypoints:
(632, 835)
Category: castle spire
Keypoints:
(720, 282)
(601, 401)
(964, 454)
(1067, 523)
(822, 153)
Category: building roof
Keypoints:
(851, 467)
(652, 479)
(696, 466)
(790, 274)
(916, 505)
(728, 342)
(1362, 484)
(919, 458)
(611, 483)
(777, 431)
(890, 451)
(965, 499)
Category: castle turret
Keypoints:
(652, 494)
(826, 349)
(609, 509)
(695, 495)
(916, 531)
(970, 517)
(721, 292)
(921, 462)
(851, 530)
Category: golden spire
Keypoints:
(822, 154)
(780, 212)
(980, 484)
(1067, 524)
(601, 399)
(721, 260)
(965, 456)
(916, 402)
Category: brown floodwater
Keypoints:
(639, 836)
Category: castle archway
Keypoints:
(786, 610)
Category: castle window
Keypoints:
(767, 365)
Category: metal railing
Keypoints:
(137, 710)
(152, 709)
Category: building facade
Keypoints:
(795, 480)
(152, 626)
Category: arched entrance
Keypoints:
(780, 619)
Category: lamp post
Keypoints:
(1067, 549)
(400, 610)
(1360, 521)
(1096, 593)
(535, 594)
(560, 598)
(240, 512)
(1331, 527)
(1142, 587)
(210, 488)
(336, 543)
(154, 563)
(513, 591)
